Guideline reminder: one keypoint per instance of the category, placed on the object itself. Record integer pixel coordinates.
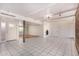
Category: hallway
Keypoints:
(40, 47)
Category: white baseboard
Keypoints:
(7, 41)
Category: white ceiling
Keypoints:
(36, 11)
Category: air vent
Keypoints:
(7, 14)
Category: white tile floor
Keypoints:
(40, 47)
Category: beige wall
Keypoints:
(63, 27)
(11, 32)
(36, 30)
